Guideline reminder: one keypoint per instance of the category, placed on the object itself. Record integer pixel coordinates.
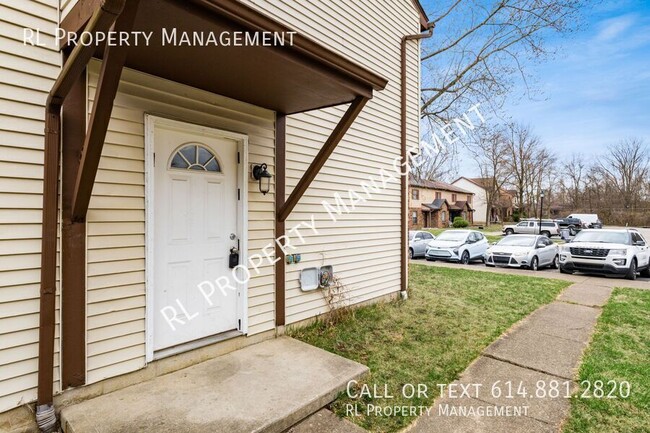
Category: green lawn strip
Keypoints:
(619, 351)
(490, 238)
(493, 238)
(450, 317)
(436, 232)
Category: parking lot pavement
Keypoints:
(592, 280)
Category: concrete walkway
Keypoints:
(325, 421)
(267, 387)
(540, 353)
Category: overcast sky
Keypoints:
(596, 89)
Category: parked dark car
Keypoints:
(573, 224)
(589, 220)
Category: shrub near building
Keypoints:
(460, 223)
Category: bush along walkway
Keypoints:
(523, 382)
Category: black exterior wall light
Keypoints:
(262, 175)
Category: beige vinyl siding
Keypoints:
(369, 33)
(26, 75)
(363, 246)
(66, 7)
(116, 219)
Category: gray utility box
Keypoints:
(314, 278)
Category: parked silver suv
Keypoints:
(531, 227)
(623, 252)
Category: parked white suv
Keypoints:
(531, 227)
(623, 252)
(457, 246)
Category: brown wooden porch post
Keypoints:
(73, 243)
(280, 196)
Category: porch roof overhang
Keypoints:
(288, 79)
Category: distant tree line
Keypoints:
(481, 52)
(614, 184)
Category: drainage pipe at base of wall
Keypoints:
(405, 159)
(101, 21)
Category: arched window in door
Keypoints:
(195, 156)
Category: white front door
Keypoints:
(195, 226)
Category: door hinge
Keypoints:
(154, 159)
(238, 158)
(239, 324)
(238, 194)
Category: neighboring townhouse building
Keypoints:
(434, 204)
(514, 199)
(501, 209)
(170, 164)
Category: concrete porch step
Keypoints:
(264, 388)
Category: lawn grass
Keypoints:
(619, 351)
(490, 238)
(493, 238)
(436, 232)
(450, 317)
(491, 228)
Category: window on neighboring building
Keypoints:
(438, 196)
(453, 198)
(443, 216)
(469, 198)
(414, 216)
(415, 194)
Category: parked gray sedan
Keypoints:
(418, 240)
(523, 251)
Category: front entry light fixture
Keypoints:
(261, 174)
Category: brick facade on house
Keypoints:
(435, 204)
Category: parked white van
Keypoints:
(589, 220)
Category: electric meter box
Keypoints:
(326, 276)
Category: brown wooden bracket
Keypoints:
(100, 21)
(323, 155)
(109, 80)
(77, 19)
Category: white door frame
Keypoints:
(150, 123)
